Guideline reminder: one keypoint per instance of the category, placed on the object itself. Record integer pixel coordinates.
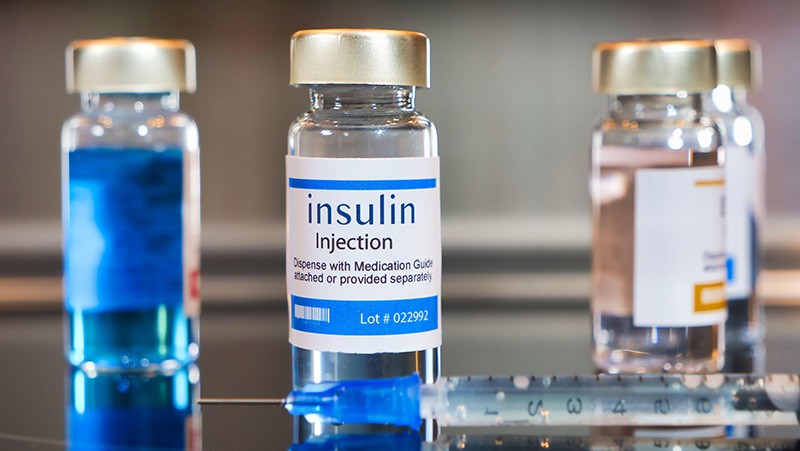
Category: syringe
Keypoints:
(601, 400)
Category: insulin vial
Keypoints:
(362, 209)
(131, 206)
(743, 139)
(658, 263)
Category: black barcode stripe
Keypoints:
(312, 313)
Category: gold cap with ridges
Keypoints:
(359, 56)
(654, 67)
(738, 62)
(123, 64)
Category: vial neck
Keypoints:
(656, 107)
(362, 99)
(130, 103)
(725, 98)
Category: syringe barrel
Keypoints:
(605, 400)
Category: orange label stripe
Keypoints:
(711, 182)
(710, 297)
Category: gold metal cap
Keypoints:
(131, 65)
(654, 67)
(738, 62)
(359, 56)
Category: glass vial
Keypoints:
(131, 206)
(363, 226)
(743, 139)
(658, 263)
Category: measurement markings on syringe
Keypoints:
(555, 404)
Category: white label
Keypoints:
(740, 177)
(679, 248)
(363, 254)
(191, 235)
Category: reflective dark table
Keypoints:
(244, 353)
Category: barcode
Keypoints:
(312, 313)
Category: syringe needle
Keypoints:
(243, 401)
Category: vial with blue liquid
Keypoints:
(131, 219)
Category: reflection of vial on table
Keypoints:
(658, 268)
(743, 139)
(363, 231)
(133, 410)
(130, 206)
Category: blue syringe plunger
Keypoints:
(382, 401)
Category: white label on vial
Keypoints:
(191, 236)
(363, 254)
(740, 177)
(679, 248)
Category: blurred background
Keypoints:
(510, 96)
(512, 102)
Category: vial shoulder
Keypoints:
(78, 120)
(363, 136)
(159, 119)
(632, 123)
(752, 114)
(742, 128)
(156, 130)
(702, 134)
(362, 120)
(180, 119)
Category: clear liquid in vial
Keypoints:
(619, 346)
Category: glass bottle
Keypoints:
(362, 167)
(743, 139)
(131, 191)
(658, 264)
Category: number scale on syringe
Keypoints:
(613, 400)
